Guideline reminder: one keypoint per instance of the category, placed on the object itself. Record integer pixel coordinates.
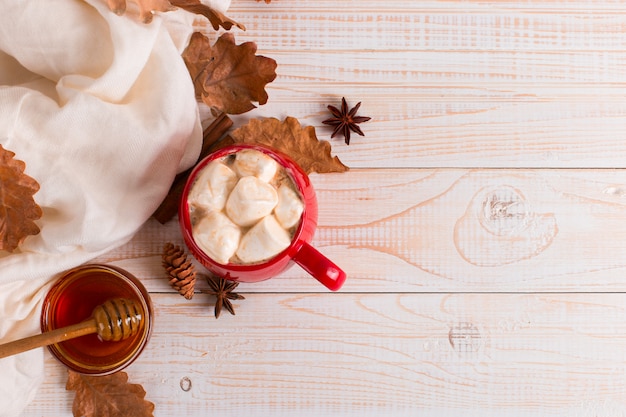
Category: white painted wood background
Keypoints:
(482, 225)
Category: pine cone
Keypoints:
(181, 272)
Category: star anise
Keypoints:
(345, 121)
(222, 289)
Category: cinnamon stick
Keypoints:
(211, 135)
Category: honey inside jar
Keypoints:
(72, 300)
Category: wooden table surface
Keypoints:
(482, 223)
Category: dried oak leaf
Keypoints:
(147, 7)
(216, 18)
(107, 396)
(18, 209)
(226, 76)
(299, 143)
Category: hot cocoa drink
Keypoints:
(244, 208)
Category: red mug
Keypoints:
(299, 251)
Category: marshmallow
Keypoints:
(213, 186)
(250, 201)
(263, 241)
(289, 207)
(250, 162)
(217, 236)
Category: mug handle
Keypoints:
(322, 268)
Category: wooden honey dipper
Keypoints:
(114, 320)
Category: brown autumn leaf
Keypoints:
(18, 209)
(147, 7)
(289, 137)
(107, 396)
(216, 18)
(228, 77)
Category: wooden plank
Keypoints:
(381, 354)
(427, 134)
(448, 230)
(495, 6)
(413, 28)
(420, 127)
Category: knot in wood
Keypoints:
(465, 337)
(504, 211)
